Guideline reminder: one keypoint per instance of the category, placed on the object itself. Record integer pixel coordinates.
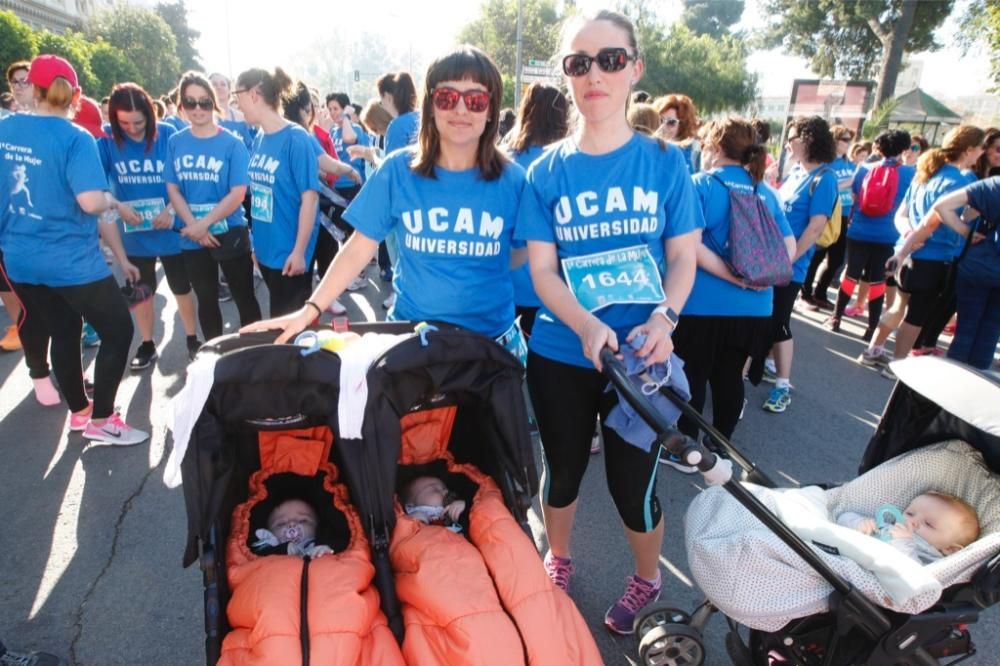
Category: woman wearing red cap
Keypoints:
(49, 236)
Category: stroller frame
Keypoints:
(894, 640)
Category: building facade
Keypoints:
(53, 15)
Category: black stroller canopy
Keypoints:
(935, 400)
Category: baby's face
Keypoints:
(293, 521)
(428, 491)
(936, 521)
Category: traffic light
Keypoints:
(357, 75)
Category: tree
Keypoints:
(712, 72)
(981, 27)
(495, 31)
(174, 15)
(145, 39)
(73, 47)
(712, 17)
(17, 41)
(110, 66)
(855, 39)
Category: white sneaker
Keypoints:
(337, 307)
(389, 302)
(357, 283)
(115, 432)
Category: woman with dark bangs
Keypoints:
(133, 158)
(452, 202)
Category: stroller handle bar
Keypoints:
(718, 471)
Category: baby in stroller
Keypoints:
(933, 525)
(291, 529)
(428, 500)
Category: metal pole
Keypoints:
(517, 57)
(229, 44)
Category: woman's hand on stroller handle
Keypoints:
(290, 324)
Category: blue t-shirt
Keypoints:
(283, 167)
(524, 290)
(402, 131)
(844, 170)
(712, 295)
(136, 178)
(45, 236)
(801, 201)
(944, 244)
(984, 196)
(206, 170)
(337, 136)
(692, 157)
(454, 235)
(880, 229)
(242, 129)
(639, 194)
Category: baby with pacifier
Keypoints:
(292, 524)
(427, 499)
(932, 526)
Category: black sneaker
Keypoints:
(30, 659)
(144, 357)
(193, 346)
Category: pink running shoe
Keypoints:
(639, 593)
(854, 311)
(78, 422)
(559, 569)
(116, 432)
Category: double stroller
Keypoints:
(788, 593)
(258, 423)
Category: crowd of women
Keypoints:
(602, 219)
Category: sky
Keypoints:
(239, 34)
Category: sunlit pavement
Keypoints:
(91, 563)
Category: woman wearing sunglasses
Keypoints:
(451, 200)
(616, 208)
(284, 189)
(134, 157)
(206, 175)
(55, 188)
(679, 125)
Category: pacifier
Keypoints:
(886, 516)
(292, 534)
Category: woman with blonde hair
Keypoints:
(49, 233)
(925, 277)
(679, 125)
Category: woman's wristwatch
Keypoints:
(667, 313)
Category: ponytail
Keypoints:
(272, 86)
(956, 142)
(755, 161)
(59, 94)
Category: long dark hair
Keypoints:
(196, 79)
(131, 97)
(297, 102)
(466, 62)
(543, 117)
(983, 168)
(404, 93)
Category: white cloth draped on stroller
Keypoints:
(757, 580)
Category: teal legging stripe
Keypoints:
(647, 515)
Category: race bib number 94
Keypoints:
(625, 276)
(261, 203)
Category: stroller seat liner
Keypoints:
(290, 610)
(754, 578)
(485, 599)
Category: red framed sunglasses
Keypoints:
(446, 99)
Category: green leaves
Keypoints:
(145, 39)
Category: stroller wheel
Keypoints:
(658, 614)
(672, 645)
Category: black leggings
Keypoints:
(31, 331)
(203, 271)
(834, 256)
(925, 281)
(286, 293)
(173, 268)
(865, 261)
(714, 350)
(781, 313)
(63, 309)
(567, 399)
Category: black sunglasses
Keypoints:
(609, 60)
(204, 103)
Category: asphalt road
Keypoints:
(90, 567)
